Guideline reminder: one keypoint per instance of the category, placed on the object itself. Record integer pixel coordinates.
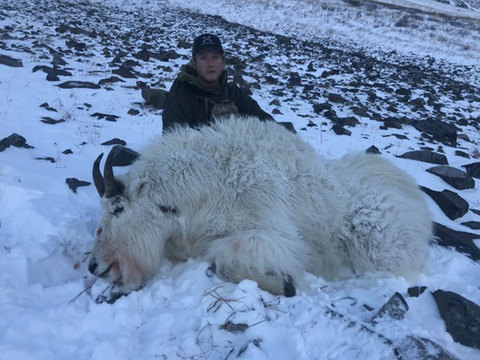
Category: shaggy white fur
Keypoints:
(260, 203)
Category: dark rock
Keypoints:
(450, 202)
(78, 84)
(339, 130)
(318, 108)
(360, 111)
(335, 98)
(347, 121)
(392, 123)
(115, 141)
(288, 125)
(460, 240)
(14, 140)
(143, 54)
(416, 291)
(123, 156)
(125, 71)
(50, 121)
(418, 348)
(425, 156)
(74, 183)
(461, 316)
(67, 151)
(9, 61)
(48, 107)
(474, 225)
(311, 124)
(46, 158)
(473, 169)
(403, 92)
(458, 179)
(107, 117)
(441, 131)
(462, 154)
(373, 150)
(395, 308)
(110, 80)
(156, 97)
(52, 77)
(133, 112)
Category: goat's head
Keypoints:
(130, 237)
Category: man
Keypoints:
(201, 91)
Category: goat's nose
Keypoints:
(92, 266)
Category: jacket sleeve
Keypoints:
(177, 109)
(246, 105)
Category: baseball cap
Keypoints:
(206, 42)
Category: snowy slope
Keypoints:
(46, 229)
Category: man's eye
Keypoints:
(117, 211)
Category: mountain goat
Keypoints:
(259, 203)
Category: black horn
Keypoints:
(111, 185)
(97, 176)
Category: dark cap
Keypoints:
(206, 42)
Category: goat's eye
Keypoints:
(99, 231)
(117, 211)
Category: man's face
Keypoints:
(209, 66)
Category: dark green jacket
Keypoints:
(190, 104)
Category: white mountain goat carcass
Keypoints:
(259, 203)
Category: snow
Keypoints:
(46, 230)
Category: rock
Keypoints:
(450, 202)
(416, 291)
(474, 225)
(287, 125)
(335, 98)
(319, 108)
(123, 156)
(347, 121)
(403, 92)
(339, 130)
(50, 121)
(473, 169)
(115, 141)
(156, 97)
(395, 308)
(460, 240)
(74, 183)
(425, 156)
(441, 131)
(78, 84)
(418, 348)
(461, 316)
(458, 179)
(46, 158)
(14, 140)
(133, 112)
(110, 80)
(107, 117)
(9, 61)
(373, 150)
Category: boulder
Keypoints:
(450, 202)
(460, 240)
(395, 308)
(425, 156)
(473, 169)
(457, 178)
(14, 140)
(461, 316)
(441, 131)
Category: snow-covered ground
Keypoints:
(46, 230)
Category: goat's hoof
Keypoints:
(288, 287)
